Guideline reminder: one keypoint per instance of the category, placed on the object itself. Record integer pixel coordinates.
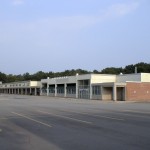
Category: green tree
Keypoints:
(143, 67)
(129, 69)
(112, 70)
(11, 78)
(96, 71)
(39, 75)
(3, 77)
(26, 76)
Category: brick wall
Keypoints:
(137, 91)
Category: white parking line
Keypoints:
(74, 119)
(135, 111)
(100, 116)
(32, 119)
(12, 117)
(4, 118)
(109, 117)
(123, 113)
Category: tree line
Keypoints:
(141, 67)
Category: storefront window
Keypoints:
(96, 90)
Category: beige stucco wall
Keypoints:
(103, 78)
(145, 77)
(107, 93)
(35, 83)
(94, 78)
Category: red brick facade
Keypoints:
(137, 91)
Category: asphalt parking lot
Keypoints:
(44, 123)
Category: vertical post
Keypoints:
(41, 89)
(76, 89)
(114, 92)
(35, 91)
(30, 91)
(90, 91)
(47, 86)
(47, 89)
(77, 86)
(65, 90)
(124, 93)
(101, 92)
(55, 90)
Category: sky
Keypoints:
(59, 35)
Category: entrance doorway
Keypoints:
(120, 93)
(84, 93)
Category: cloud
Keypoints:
(66, 22)
(80, 21)
(65, 25)
(122, 9)
(83, 21)
(17, 2)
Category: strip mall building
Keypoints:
(99, 86)
(134, 87)
(22, 88)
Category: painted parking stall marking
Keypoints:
(94, 115)
(29, 118)
(65, 117)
